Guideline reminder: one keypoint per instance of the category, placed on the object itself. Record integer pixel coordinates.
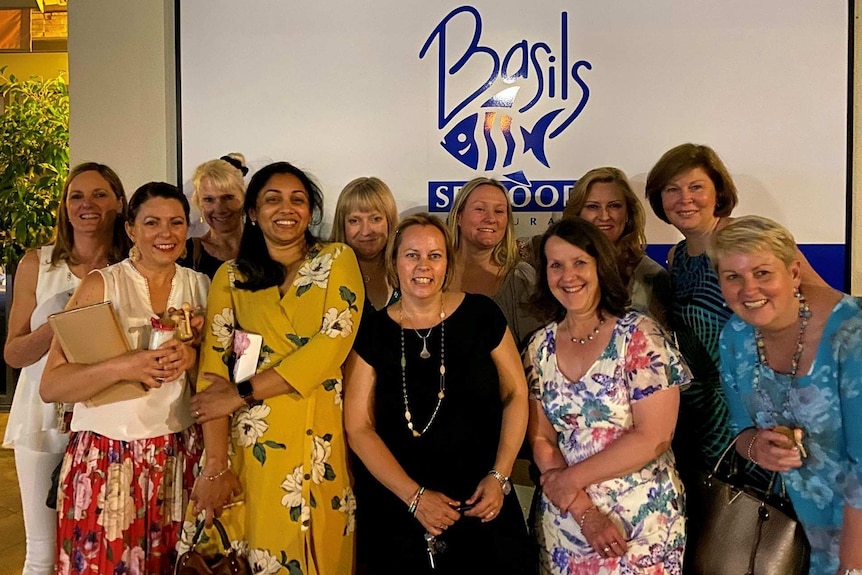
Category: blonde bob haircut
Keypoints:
(505, 253)
(424, 220)
(751, 234)
(222, 175)
(633, 239)
(366, 194)
(686, 157)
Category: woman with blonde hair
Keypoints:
(604, 197)
(364, 216)
(486, 253)
(219, 191)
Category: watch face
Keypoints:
(507, 487)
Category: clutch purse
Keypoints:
(734, 530)
(193, 562)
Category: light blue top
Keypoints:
(826, 403)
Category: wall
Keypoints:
(123, 105)
(45, 64)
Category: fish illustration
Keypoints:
(475, 132)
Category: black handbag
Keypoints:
(735, 530)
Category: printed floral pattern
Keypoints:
(337, 323)
(222, 328)
(249, 424)
(825, 403)
(590, 414)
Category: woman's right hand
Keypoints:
(602, 534)
(144, 366)
(436, 512)
(212, 495)
(773, 451)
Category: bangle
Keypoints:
(217, 475)
(414, 504)
(750, 446)
(584, 515)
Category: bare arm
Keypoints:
(75, 382)
(435, 509)
(218, 484)
(25, 347)
(850, 552)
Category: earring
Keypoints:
(254, 222)
(796, 293)
(185, 253)
(201, 218)
(134, 253)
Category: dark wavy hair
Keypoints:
(253, 261)
(614, 297)
(156, 190)
(64, 234)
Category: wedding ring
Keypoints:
(160, 380)
(614, 543)
(490, 514)
(197, 414)
(606, 549)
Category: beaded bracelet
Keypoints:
(584, 515)
(217, 475)
(414, 504)
(750, 446)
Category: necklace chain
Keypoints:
(591, 336)
(762, 361)
(408, 416)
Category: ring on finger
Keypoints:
(606, 548)
(615, 543)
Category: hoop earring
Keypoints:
(134, 253)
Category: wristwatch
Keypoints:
(246, 392)
(505, 484)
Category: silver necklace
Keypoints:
(424, 354)
(408, 416)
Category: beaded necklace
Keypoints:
(408, 416)
(591, 336)
(804, 317)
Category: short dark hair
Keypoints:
(253, 260)
(156, 190)
(686, 157)
(614, 298)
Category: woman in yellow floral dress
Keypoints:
(276, 442)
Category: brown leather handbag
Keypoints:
(194, 563)
(733, 530)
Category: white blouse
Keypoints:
(162, 410)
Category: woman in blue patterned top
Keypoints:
(791, 363)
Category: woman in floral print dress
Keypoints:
(604, 399)
(276, 443)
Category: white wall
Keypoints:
(123, 96)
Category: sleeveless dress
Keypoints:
(452, 457)
(590, 414)
(32, 422)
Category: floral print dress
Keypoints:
(296, 514)
(590, 414)
(826, 403)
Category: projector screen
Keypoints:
(427, 95)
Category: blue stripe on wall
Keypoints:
(827, 260)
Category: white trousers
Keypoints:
(40, 521)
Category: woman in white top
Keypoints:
(127, 470)
(89, 235)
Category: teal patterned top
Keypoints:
(826, 403)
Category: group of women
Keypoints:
(402, 364)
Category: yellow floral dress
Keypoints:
(290, 453)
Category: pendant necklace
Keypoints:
(804, 317)
(408, 416)
(591, 336)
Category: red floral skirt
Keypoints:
(121, 503)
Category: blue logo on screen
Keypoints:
(530, 95)
(537, 196)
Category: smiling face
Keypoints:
(689, 202)
(572, 276)
(159, 231)
(484, 218)
(421, 261)
(282, 211)
(220, 208)
(366, 233)
(759, 288)
(91, 204)
(606, 208)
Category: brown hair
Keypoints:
(687, 157)
(64, 234)
(421, 219)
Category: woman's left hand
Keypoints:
(487, 500)
(220, 399)
(176, 358)
(559, 488)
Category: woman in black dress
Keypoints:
(435, 407)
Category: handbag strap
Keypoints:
(225, 541)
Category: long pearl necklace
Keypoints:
(408, 416)
(804, 317)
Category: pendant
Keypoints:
(424, 354)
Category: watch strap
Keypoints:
(246, 392)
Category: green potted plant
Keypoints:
(34, 161)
